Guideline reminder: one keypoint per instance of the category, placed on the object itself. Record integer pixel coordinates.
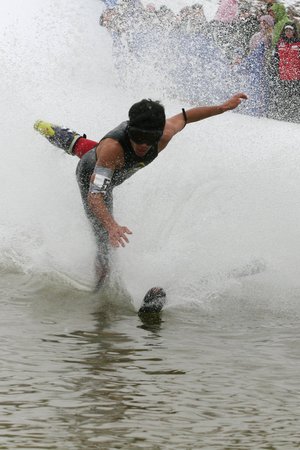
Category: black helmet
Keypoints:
(146, 121)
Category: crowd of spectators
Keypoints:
(245, 47)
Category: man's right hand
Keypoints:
(117, 235)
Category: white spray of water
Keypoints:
(222, 199)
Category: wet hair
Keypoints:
(147, 115)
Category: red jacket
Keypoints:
(289, 60)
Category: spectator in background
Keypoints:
(223, 26)
(227, 11)
(255, 68)
(201, 72)
(279, 14)
(269, 4)
(246, 25)
(110, 3)
(198, 22)
(150, 7)
(264, 35)
(287, 55)
(167, 18)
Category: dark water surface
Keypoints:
(79, 372)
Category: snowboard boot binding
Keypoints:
(60, 137)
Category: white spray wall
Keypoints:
(220, 202)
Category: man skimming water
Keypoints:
(130, 146)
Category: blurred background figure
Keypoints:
(227, 11)
(255, 68)
(287, 57)
(280, 16)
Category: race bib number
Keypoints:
(100, 180)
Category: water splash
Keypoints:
(223, 198)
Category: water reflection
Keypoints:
(151, 322)
(82, 372)
(109, 379)
(64, 382)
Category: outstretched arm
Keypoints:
(177, 123)
(116, 233)
(203, 112)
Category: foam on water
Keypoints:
(219, 206)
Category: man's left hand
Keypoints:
(234, 101)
